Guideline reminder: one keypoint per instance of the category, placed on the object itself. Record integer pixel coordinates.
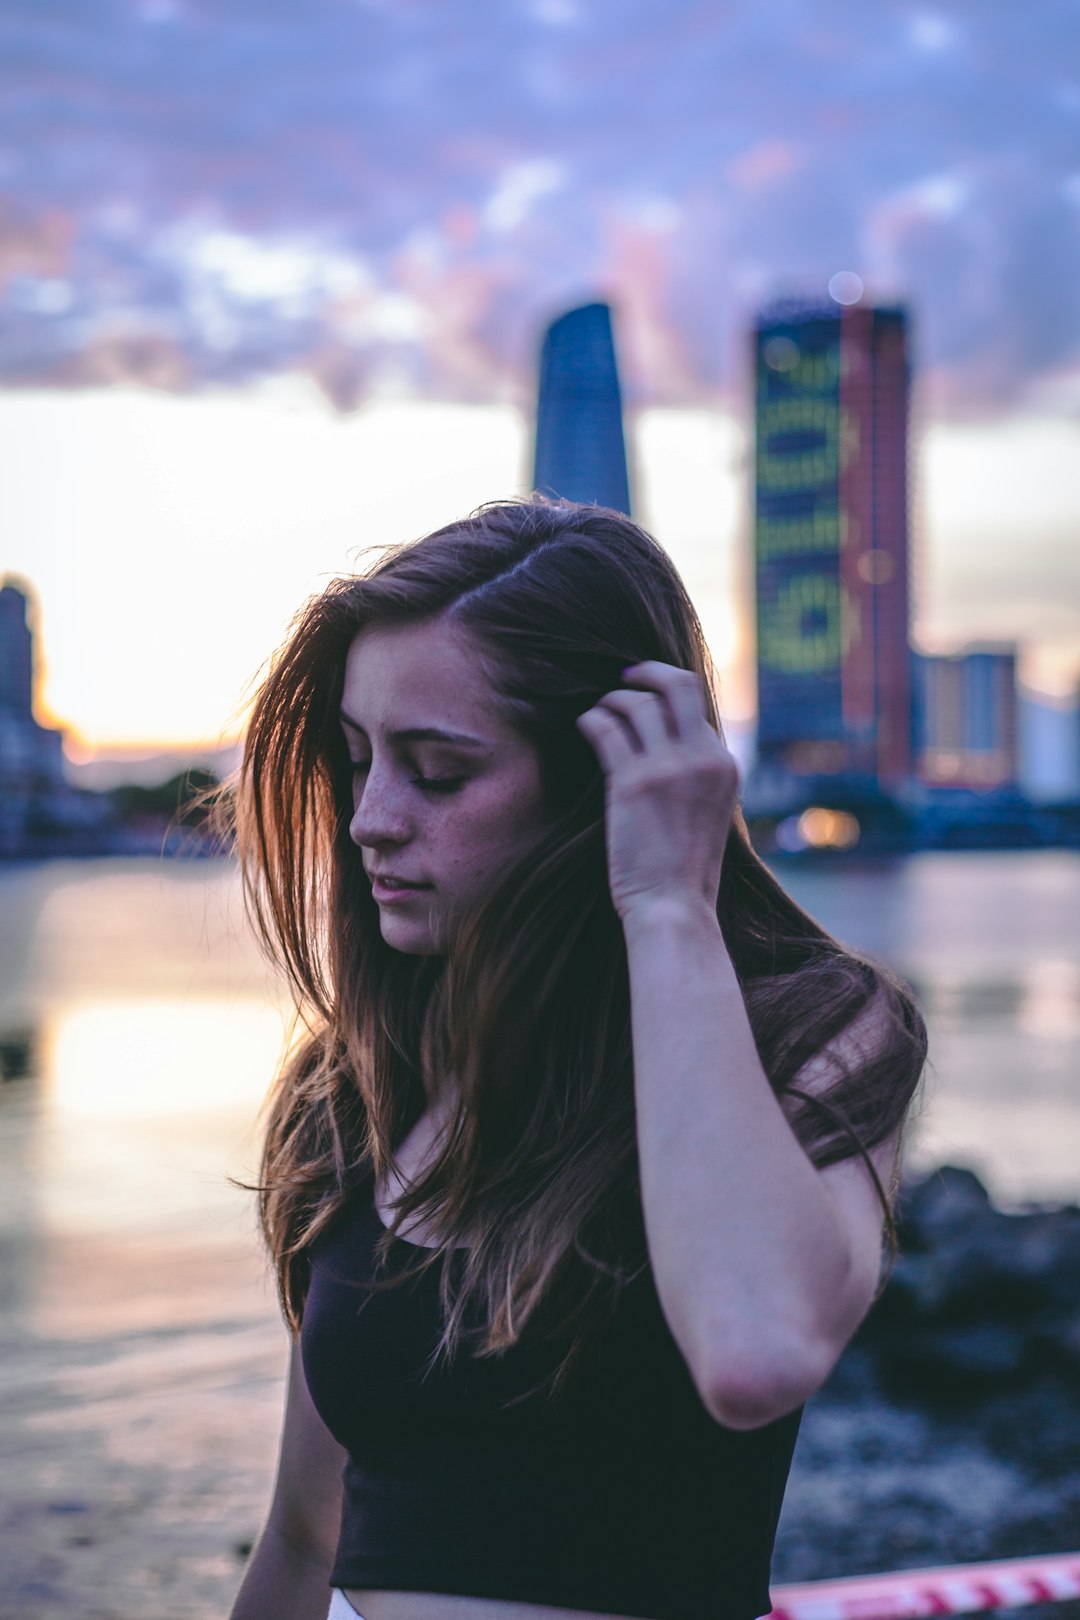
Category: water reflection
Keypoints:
(143, 1028)
(1042, 997)
(990, 942)
(155, 1057)
(140, 1027)
(116, 1201)
(938, 914)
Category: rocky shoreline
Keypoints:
(949, 1431)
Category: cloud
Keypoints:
(35, 244)
(519, 188)
(765, 163)
(393, 195)
(930, 31)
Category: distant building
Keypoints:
(580, 450)
(16, 652)
(1049, 746)
(831, 544)
(965, 718)
(37, 804)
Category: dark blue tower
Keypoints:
(580, 453)
(16, 652)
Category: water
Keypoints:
(990, 941)
(141, 1353)
(148, 1024)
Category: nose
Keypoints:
(381, 814)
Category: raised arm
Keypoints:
(763, 1264)
(288, 1575)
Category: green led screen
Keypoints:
(805, 619)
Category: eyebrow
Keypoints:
(421, 734)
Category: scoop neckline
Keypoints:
(425, 1248)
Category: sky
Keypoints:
(273, 279)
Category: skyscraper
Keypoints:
(580, 452)
(31, 755)
(831, 542)
(16, 653)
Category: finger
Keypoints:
(608, 736)
(683, 690)
(647, 715)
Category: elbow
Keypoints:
(758, 1391)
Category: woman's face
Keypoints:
(445, 792)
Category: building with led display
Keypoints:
(580, 451)
(831, 544)
(966, 718)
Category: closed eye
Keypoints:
(426, 784)
(438, 784)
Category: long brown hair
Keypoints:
(529, 1009)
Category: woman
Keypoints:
(575, 1188)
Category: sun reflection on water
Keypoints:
(144, 1107)
(156, 1057)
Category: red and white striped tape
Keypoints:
(907, 1594)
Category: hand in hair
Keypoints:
(671, 788)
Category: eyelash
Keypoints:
(438, 784)
(426, 784)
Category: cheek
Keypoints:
(495, 826)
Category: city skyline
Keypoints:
(844, 693)
(288, 495)
(228, 337)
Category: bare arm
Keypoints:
(288, 1576)
(764, 1264)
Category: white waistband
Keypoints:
(340, 1607)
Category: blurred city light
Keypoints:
(818, 828)
(845, 287)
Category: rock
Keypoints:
(1038, 1427)
(1059, 1338)
(918, 1291)
(949, 1430)
(1008, 1282)
(1012, 1265)
(941, 1202)
(949, 1364)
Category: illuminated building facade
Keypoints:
(966, 718)
(580, 451)
(831, 542)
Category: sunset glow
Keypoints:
(170, 540)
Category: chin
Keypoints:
(409, 941)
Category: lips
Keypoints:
(386, 891)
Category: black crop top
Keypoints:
(628, 1498)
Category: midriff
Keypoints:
(449, 1606)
